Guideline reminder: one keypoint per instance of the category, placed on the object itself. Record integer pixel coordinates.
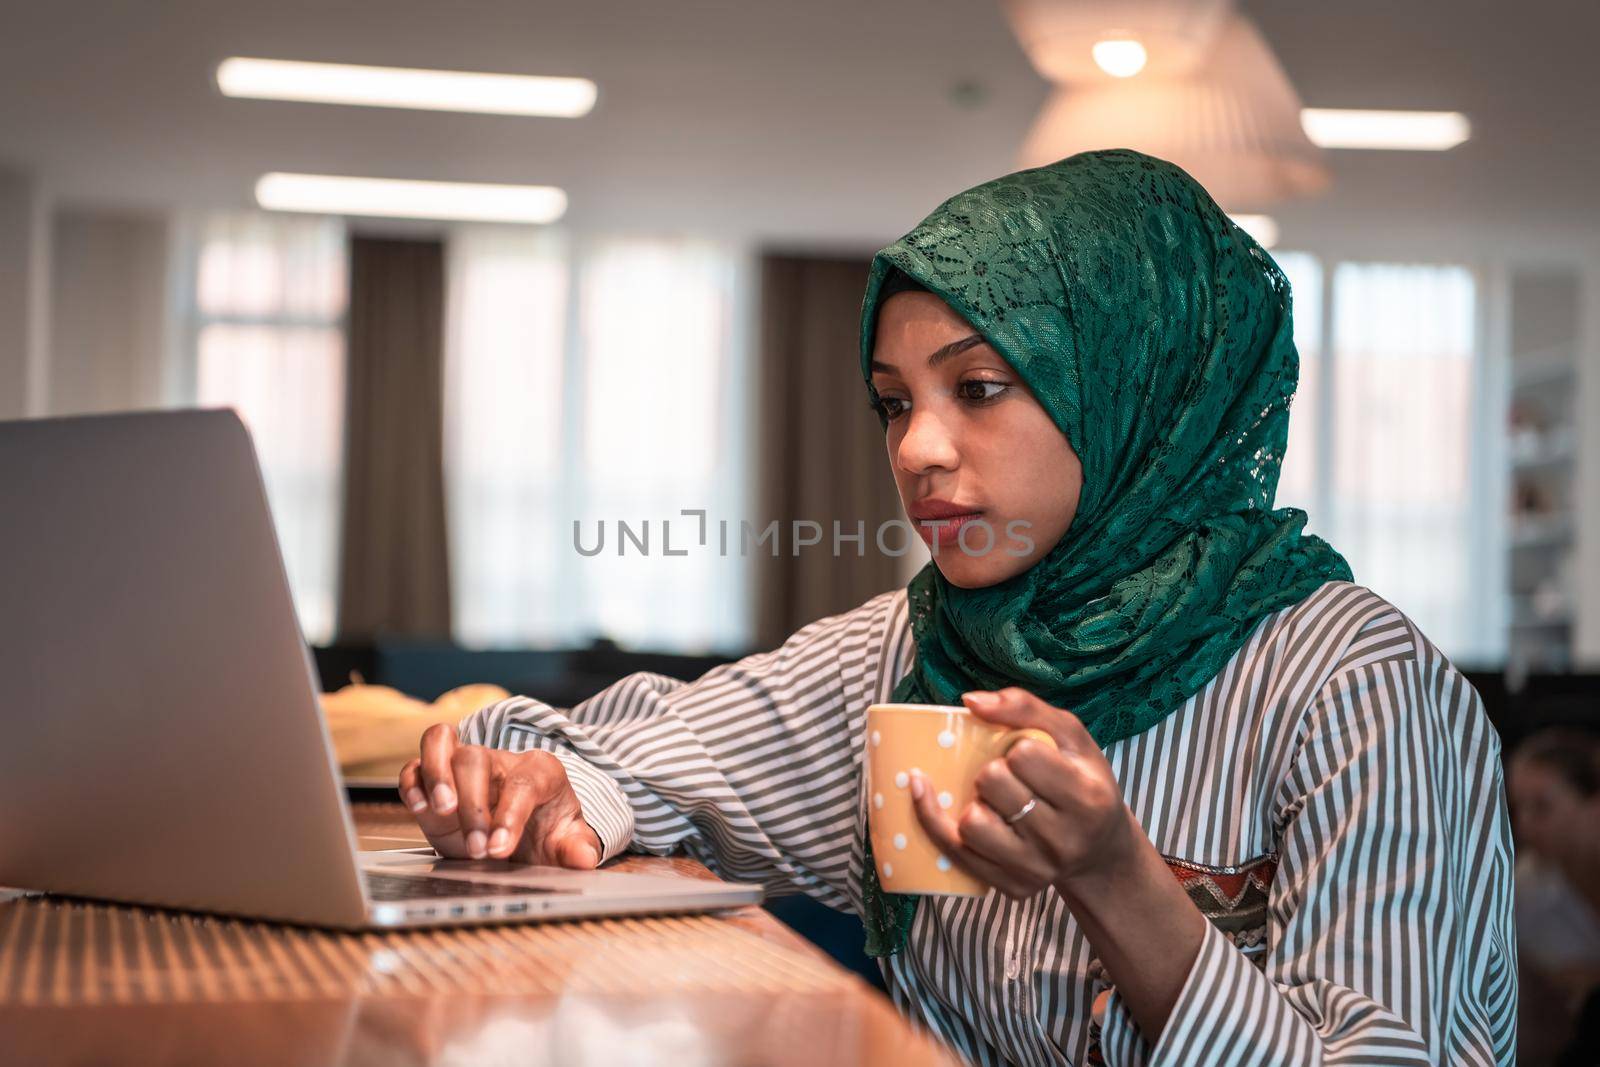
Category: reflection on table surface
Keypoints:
(88, 983)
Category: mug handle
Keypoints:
(1032, 733)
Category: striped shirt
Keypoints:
(1332, 800)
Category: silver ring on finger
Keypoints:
(1029, 806)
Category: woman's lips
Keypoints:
(946, 530)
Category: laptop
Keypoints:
(161, 741)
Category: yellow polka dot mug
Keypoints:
(949, 745)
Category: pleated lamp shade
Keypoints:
(1233, 123)
(1059, 35)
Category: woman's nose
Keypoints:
(927, 445)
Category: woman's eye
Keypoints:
(978, 390)
(890, 407)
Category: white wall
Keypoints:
(109, 325)
(24, 270)
(84, 322)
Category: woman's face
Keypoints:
(986, 478)
(1550, 816)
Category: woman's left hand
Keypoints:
(1079, 826)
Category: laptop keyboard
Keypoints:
(386, 887)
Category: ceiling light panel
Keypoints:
(430, 90)
(329, 194)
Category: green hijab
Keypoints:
(1158, 336)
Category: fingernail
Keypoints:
(416, 801)
(444, 799)
(982, 699)
(476, 847)
(500, 840)
(916, 787)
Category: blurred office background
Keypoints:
(437, 401)
(434, 402)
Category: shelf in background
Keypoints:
(1543, 368)
(1560, 456)
(1544, 341)
(1541, 533)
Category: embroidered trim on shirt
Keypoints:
(1233, 898)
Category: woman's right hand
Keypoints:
(474, 802)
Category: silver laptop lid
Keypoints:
(160, 739)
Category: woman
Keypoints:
(1275, 830)
(1555, 795)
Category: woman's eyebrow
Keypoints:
(940, 354)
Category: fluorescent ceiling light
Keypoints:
(1120, 57)
(328, 194)
(1262, 227)
(431, 90)
(1430, 131)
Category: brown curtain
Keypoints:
(393, 568)
(822, 454)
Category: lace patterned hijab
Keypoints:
(1158, 336)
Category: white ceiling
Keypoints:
(810, 122)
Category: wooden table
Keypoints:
(85, 983)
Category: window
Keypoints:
(1381, 437)
(1404, 343)
(268, 333)
(593, 383)
(505, 382)
(1297, 481)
